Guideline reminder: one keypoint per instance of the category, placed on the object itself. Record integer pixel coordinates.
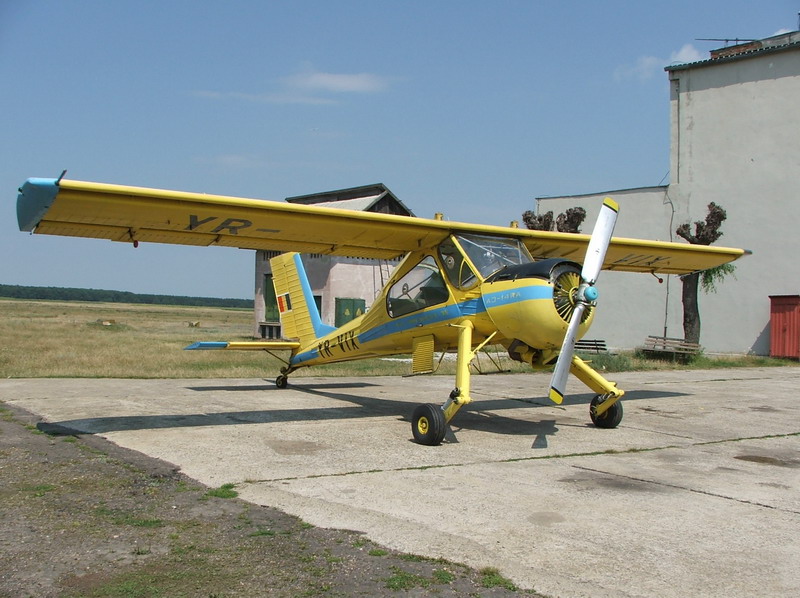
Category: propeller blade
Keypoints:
(558, 382)
(592, 264)
(598, 244)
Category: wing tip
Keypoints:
(35, 197)
(206, 346)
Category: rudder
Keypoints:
(299, 315)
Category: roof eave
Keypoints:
(724, 59)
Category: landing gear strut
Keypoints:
(429, 422)
(605, 408)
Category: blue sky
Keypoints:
(462, 107)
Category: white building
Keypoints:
(343, 287)
(735, 141)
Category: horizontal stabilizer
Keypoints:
(244, 346)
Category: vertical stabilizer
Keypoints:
(300, 317)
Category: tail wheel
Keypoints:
(609, 418)
(428, 425)
(281, 381)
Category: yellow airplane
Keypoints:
(460, 286)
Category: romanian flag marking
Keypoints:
(284, 303)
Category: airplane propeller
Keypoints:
(585, 293)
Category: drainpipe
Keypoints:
(668, 200)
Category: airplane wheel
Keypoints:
(281, 381)
(428, 425)
(610, 418)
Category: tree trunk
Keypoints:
(691, 309)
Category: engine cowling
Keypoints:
(533, 303)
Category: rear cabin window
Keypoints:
(423, 286)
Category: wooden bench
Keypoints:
(591, 346)
(657, 346)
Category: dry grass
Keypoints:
(69, 340)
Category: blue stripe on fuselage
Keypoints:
(301, 358)
(440, 315)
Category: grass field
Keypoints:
(117, 340)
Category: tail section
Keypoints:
(300, 317)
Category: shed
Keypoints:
(343, 287)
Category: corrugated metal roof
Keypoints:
(611, 192)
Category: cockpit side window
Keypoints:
(423, 286)
(458, 270)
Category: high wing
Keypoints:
(136, 214)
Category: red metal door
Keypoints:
(784, 326)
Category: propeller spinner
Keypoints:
(586, 293)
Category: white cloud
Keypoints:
(688, 53)
(647, 66)
(308, 87)
(315, 81)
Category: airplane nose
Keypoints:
(535, 306)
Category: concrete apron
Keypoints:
(700, 496)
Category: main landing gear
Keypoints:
(609, 418)
(429, 422)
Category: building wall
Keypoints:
(735, 140)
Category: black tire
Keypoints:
(609, 418)
(281, 381)
(428, 425)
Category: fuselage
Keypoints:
(492, 282)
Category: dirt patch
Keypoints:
(84, 517)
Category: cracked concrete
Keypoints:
(696, 493)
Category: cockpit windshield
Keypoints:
(490, 254)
